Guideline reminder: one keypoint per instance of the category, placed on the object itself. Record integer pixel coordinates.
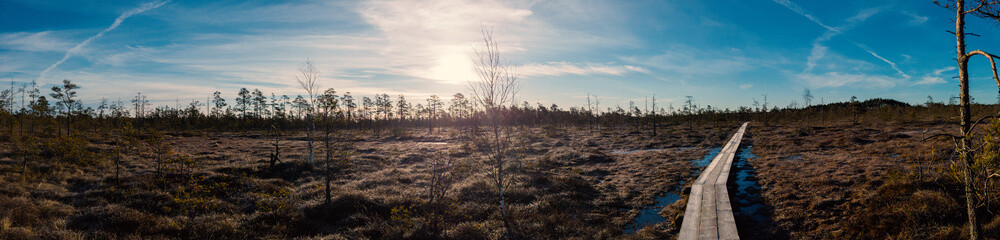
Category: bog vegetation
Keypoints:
(480, 165)
(243, 171)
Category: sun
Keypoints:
(453, 66)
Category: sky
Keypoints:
(723, 53)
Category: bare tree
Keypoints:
(495, 86)
(307, 77)
(653, 117)
(989, 9)
(275, 156)
(807, 97)
(439, 180)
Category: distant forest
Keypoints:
(27, 107)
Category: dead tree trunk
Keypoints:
(327, 161)
(966, 114)
(276, 155)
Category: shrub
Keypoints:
(119, 220)
(904, 211)
(399, 133)
(468, 230)
(69, 149)
(33, 213)
(213, 226)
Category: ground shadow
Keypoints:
(754, 218)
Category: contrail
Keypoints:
(892, 64)
(826, 36)
(795, 8)
(118, 22)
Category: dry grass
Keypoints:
(571, 187)
(844, 181)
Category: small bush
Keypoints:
(33, 213)
(119, 220)
(68, 149)
(904, 211)
(399, 133)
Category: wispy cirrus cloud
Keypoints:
(837, 79)
(688, 63)
(916, 19)
(118, 22)
(44, 41)
(819, 50)
(566, 68)
(934, 77)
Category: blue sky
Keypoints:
(724, 53)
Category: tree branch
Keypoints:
(972, 34)
(993, 63)
(983, 118)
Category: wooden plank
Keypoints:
(709, 213)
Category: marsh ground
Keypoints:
(817, 181)
(575, 183)
(840, 180)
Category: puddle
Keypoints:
(753, 217)
(747, 189)
(703, 162)
(650, 215)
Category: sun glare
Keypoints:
(453, 66)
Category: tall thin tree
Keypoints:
(496, 86)
(989, 9)
(307, 79)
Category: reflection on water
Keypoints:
(703, 162)
(650, 215)
(748, 202)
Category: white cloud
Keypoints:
(746, 86)
(917, 19)
(434, 39)
(907, 58)
(33, 42)
(838, 79)
(934, 77)
(564, 68)
(818, 51)
(132, 54)
(688, 62)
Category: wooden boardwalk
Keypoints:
(709, 214)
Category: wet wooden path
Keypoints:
(709, 214)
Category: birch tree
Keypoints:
(307, 77)
(496, 85)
